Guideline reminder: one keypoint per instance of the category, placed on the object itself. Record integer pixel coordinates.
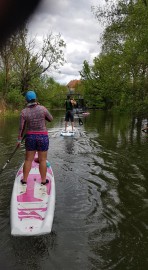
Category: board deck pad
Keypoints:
(32, 205)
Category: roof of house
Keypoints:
(73, 83)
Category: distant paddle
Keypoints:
(145, 129)
(80, 121)
(11, 156)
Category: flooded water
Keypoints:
(101, 214)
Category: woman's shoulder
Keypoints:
(41, 107)
(23, 110)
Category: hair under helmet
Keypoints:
(30, 95)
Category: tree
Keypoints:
(6, 57)
(24, 61)
(53, 94)
(30, 62)
(125, 43)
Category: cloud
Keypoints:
(75, 22)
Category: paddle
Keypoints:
(11, 156)
(80, 120)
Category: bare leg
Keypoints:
(72, 124)
(27, 165)
(65, 125)
(42, 165)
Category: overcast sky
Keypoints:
(79, 29)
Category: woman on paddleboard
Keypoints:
(33, 122)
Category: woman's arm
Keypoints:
(22, 125)
(48, 116)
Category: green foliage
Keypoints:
(15, 99)
(2, 84)
(49, 93)
(56, 93)
(119, 75)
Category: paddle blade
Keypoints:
(80, 122)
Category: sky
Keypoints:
(78, 27)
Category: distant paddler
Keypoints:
(69, 115)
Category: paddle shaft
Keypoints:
(80, 120)
(9, 159)
(11, 156)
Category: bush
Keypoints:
(15, 99)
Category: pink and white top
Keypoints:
(33, 120)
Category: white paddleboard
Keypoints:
(32, 205)
(68, 132)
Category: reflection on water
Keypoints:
(101, 197)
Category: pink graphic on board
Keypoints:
(29, 214)
(28, 196)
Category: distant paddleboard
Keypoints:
(32, 205)
(68, 132)
(85, 113)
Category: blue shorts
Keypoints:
(36, 142)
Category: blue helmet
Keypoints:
(30, 95)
